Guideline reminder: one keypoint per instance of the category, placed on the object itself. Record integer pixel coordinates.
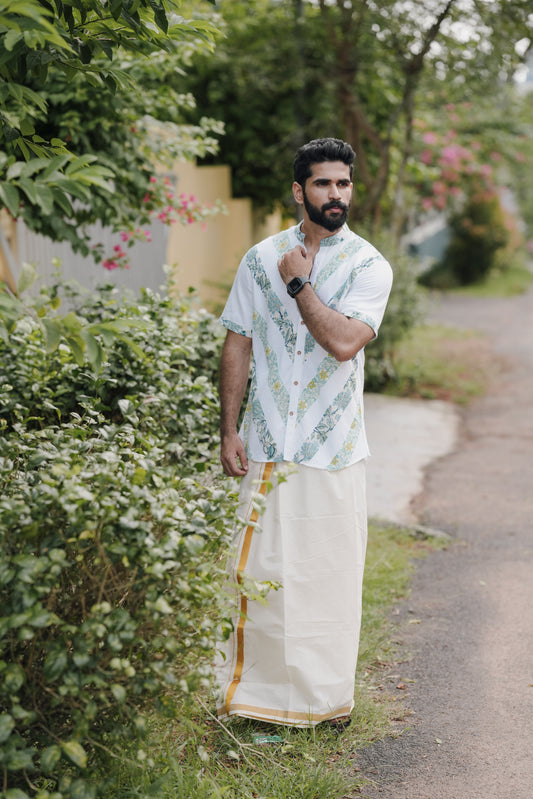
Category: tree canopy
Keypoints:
(85, 111)
(287, 71)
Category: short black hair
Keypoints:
(316, 152)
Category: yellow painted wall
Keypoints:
(9, 231)
(206, 256)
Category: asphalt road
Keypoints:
(470, 653)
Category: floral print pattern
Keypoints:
(304, 405)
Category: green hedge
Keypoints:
(112, 521)
(404, 310)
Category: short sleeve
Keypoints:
(367, 294)
(238, 311)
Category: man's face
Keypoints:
(327, 194)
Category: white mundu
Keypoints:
(293, 659)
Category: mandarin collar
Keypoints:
(329, 241)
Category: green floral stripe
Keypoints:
(310, 344)
(344, 455)
(311, 392)
(363, 317)
(328, 422)
(348, 252)
(276, 309)
(265, 436)
(281, 242)
(279, 393)
(235, 328)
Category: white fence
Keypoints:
(146, 258)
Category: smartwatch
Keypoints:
(296, 284)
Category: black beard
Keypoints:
(319, 217)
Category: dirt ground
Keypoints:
(469, 653)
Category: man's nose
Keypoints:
(334, 192)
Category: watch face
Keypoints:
(296, 284)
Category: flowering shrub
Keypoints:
(160, 202)
(458, 173)
(450, 160)
(112, 522)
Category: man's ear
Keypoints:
(298, 193)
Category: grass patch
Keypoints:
(439, 362)
(507, 282)
(196, 756)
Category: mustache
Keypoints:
(335, 204)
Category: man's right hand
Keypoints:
(233, 455)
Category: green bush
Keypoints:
(403, 312)
(112, 522)
(477, 232)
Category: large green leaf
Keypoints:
(10, 198)
(45, 198)
(53, 333)
(7, 723)
(50, 758)
(27, 278)
(75, 752)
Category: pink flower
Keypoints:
(426, 156)
(124, 235)
(153, 179)
(430, 138)
(427, 203)
(110, 265)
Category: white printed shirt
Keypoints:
(305, 406)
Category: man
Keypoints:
(303, 305)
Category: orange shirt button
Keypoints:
(295, 382)
(299, 352)
(291, 413)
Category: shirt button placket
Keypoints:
(294, 390)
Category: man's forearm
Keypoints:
(234, 370)
(337, 334)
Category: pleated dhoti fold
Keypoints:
(292, 658)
